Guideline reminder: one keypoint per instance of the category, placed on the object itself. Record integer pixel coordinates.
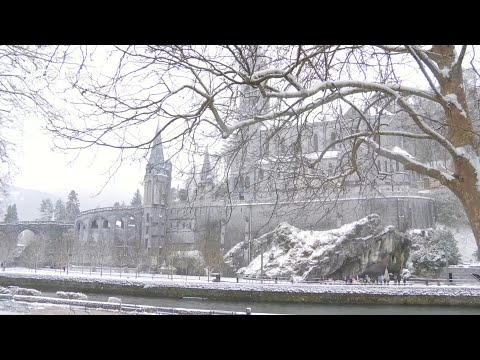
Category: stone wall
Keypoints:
(254, 220)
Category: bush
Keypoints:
(431, 249)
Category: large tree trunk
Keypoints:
(468, 193)
(461, 135)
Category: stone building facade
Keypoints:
(259, 191)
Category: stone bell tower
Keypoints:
(157, 183)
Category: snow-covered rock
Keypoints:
(361, 247)
(15, 290)
(71, 295)
(115, 300)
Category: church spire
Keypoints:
(207, 174)
(156, 161)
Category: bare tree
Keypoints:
(103, 253)
(138, 258)
(26, 77)
(34, 252)
(211, 253)
(210, 93)
(66, 248)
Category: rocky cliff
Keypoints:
(361, 247)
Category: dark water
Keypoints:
(289, 308)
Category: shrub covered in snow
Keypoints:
(431, 248)
(30, 292)
(115, 300)
(71, 295)
(15, 290)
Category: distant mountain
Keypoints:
(28, 201)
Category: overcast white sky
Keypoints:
(40, 168)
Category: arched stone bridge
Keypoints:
(43, 229)
(122, 225)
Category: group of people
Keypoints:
(380, 280)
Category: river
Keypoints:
(288, 308)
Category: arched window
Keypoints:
(247, 182)
(119, 224)
(315, 142)
(105, 225)
(94, 225)
(283, 147)
(131, 222)
(333, 137)
(266, 146)
(148, 196)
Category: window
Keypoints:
(148, 217)
(94, 225)
(266, 146)
(386, 165)
(241, 183)
(283, 148)
(260, 174)
(247, 181)
(315, 142)
(379, 165)
(397, 165)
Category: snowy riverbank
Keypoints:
(414, 294)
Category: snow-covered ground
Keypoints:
(466, 243)
(147, 281)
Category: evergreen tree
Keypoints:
(7, 215)
(60, 211)
(11, 215)
(137, 199)
(14, 213)
(46, 210)
(72, 208)
(117, 204)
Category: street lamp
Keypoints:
(261, 262)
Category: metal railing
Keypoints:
(120, 208)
